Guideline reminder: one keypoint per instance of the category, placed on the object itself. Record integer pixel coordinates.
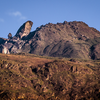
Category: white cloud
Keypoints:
(1, 20)
(17, 14)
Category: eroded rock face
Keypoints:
(24, 30)
(15, 44)
(5, 50)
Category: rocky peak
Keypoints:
(9, 36)
(24, 30)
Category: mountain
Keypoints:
(67, 39)
(51, 63)
(30, 77)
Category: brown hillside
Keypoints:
(28, 77)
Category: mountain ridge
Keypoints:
(67, 39)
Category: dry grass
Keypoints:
(27, 77)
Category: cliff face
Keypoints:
(67, 39)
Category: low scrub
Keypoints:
(27, 77)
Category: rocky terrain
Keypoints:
(30, 77)
(67, 39)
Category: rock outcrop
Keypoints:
(9, 36)
(5, 50)
(24, 30)
(14, 44)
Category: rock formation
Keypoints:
(5, 50)
(24, 30)
(14, 44)
(9, 36)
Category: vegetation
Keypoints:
(30, 77)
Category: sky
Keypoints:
(13, 13)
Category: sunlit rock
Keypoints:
(24, 30)
(5, 50)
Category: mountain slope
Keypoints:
(68, 39)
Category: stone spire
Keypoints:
(24, 30)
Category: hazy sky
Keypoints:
(13, 13)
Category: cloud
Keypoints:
(17, 14)
(1, 20)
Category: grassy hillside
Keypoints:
(31, 77)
